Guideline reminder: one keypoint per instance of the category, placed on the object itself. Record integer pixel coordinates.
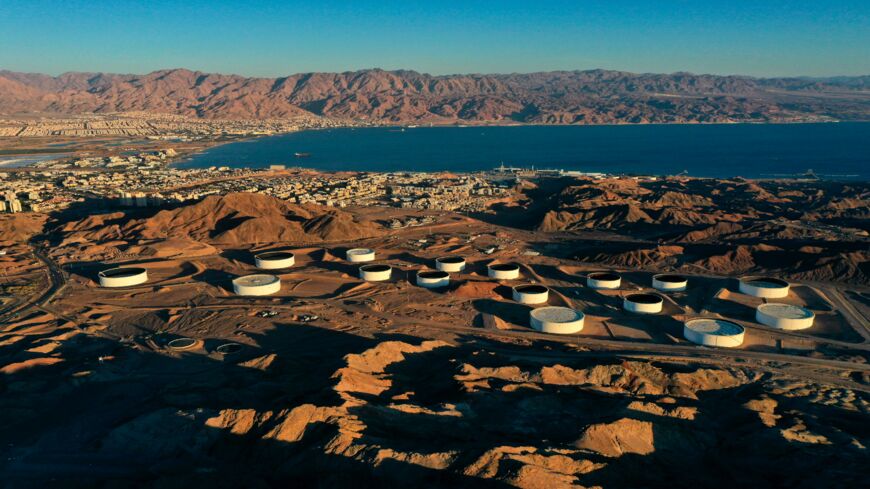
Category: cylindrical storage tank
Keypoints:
(556, 320)
(359, 255)
(603, 280)
(670, 283)
(643, 303)
(375, 273)
(764, 287)
(258, 284)
(503, 271)
(123, 277)
(433, 279)
(531, 294)
(713, 332)
(450, 264)
(275, 260)
(784, 316)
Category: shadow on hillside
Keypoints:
(139, 418)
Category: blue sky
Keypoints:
(762, 38)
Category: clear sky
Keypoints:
(254, 38)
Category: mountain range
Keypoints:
(559, 97)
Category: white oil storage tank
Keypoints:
(359, 255)
(603, 280)
(713, 332)
(257, 284)
(432, 279)
(503, 271)
(275, 260)
(375, 273)
(643, 303)
(123, 277)
(556, 320)
(667, 282)
(531, 294)
(784, 316)
(450, 263)
(764, 287)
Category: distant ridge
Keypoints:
(558, 97)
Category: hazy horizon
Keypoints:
(504, 73)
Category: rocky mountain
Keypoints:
(562, 97)
(235, 219)
(800, 230)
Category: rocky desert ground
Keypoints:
(334, 381)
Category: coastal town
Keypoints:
(147, 180)
(157, 126)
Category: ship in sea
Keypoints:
(302, 155)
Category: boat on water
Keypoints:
(302, 155)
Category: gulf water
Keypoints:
(833, 150)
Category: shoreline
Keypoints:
(523, 160)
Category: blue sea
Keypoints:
(832, 150)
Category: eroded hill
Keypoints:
(802, 230)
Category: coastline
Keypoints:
(589, 152)
(477, 124)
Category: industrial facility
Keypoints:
(275, 260)
(254, 285)
(603, 280)
(556, 320)
(764, 287)
(450, 264)
(713, 332)
(182, 344)
(433, 279)
(503, 271)
(666, 282)
(531, 294)
(706, 331)
(784, 316)
(123, 277)
(375, 273)
(643, 303)
(360, 255)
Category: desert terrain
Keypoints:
(335, 381)
(557, 97)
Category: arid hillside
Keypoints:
(236, 219)
(802, 230)
(564, 97)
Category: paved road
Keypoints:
(850, 312)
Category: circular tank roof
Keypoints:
(374, 268)
(450, 259)
(531, 289)
(228, 348)
(182, 343)
(644, 298)
(765, 282)
(556, 314)
(670, 278)
(275, 255)
(718, 327)
(433, 274)
(606, 276)
(360, 251)
(255, 280)
(122, 272)
(786, 311)
(504, 267)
